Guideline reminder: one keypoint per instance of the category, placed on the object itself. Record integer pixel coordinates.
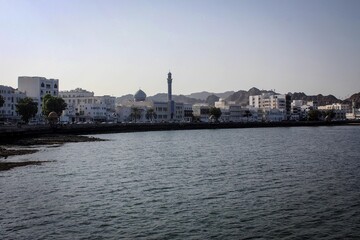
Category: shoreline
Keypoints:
(47, 140)
(13, 134)
(5, 166)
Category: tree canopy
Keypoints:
(53, 104)
(150, 114)
(216, 112)
(314, 115)
(247, 113)
(329, 114)
(26, 108)
(135, 113)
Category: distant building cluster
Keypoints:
(154, 111)
(84, 107)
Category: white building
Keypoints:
(355, 113)
(274, 115)
(232, 112)
(11, 97)
(268, 101)
(109, 102)
(201, 111)
(297, 110)
(165, 113)
(124, 112)
(336, 106)
(301, 108)
(37, 88)
(162, 111)
(340, 110)
(83, 106)
(312, 104)
(274, 107)
(188, 112)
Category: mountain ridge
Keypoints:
(241, 97)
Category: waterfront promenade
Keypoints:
(9, 132)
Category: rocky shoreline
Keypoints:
(5, 153)
(4, 166)
(12, 147)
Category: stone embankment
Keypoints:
(9, 134)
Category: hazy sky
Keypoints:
(116, 47)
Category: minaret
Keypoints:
(169, 80)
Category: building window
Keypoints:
(55, 85)
(42, 85)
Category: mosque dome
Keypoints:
(140, 96)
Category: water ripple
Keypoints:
(281, 183)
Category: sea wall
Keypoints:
(8, 133)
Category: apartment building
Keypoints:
(37, 88)
(11, 98)
(83, 106)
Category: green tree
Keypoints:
(329, 114)
(26, 108)
(150, 114)
(247, 114)
(135, 113)
(2, 101)
(53, 104)
(215, 112)
(314, 115)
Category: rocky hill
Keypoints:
(356, 98)
(321, 99)
(162, 97)
(241, 97)
(124, 99)
(212, 99)
(204, 95)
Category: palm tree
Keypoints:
(135, 113)
(150, 114)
